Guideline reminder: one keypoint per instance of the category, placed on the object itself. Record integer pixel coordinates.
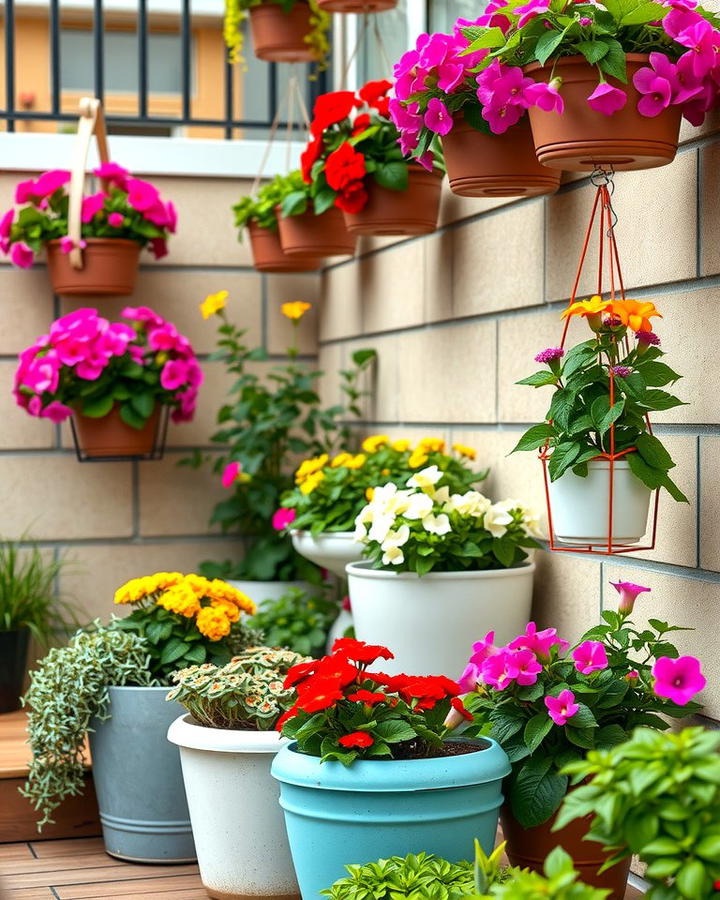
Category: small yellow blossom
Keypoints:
(465, 451)
(401, 445)
(369, 492)
(373, 443)
(310, 467)
(417, 458)
(181, 600)
(198, 584)
(432, 445)
(221, 590)
(311, 482)
(213, 303)
(385, 471)
(213, 623)
(230, 610)
(592, 307)
(356, 462)
(340, 460)
(296, 310)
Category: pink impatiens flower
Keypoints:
(283, 518)
(91, 206)
(656, 92)
(116, 220)
(524, 667)
(530, 10)
(484, 649)
(545, 96)
(21, 255)
(437, 117)
(141, 194)
(470, 678)
(628, 594)
(538, 642)
(497, 670)
(113, 173)
(57, 412)
(174, 374)
(607, 99)
(230, 474)
(678, 679)
(562, 708)
(589, 657)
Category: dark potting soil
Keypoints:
(416, 749)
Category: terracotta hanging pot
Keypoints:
(528, 847)
(312, 236)
(357, 6)
(581, 139)
(110, 437)
(496, 165)
(109, 268)
(387, 212)
(279, 36)
(268, 255)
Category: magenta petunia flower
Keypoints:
(469, 679)
(91, 206)
(230, 474)
(562, 708)
(49, 182)
(438, 117)
(57, 412)
(589, 657)
(21, 255)
(704, 42)
(628, 594)
(497, 670)
(6, 223)
(529, 10)
(546, 356)
(656, 91)
(283, 518)
(524, 667)
(607, 99)
(450, 75)
(538, 642)
(174, 374)
(484, 649)
(678, 679)
(116, 220)
(545, 96)
(114, 173)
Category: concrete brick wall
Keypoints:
(119, 520)
(457, 317)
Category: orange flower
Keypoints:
(636, 314)
(592, 307)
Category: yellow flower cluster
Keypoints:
(311, 482)
(213, 623)
(373, 443)
(464, 450)
(137, 589)
(309, 467)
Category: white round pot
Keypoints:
(338, 628)
(430, 623)
(581, 506)
(261, 591)
(333, 550)
(239, 829)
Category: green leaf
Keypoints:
(323, 201)
(653, 452)
(539, 379)
(657, 374)
(392, 175)
(534, 437)
(646, 12)
(613, 63)
(562, 458)
(691, 880)
(561, 407)
(536, 791)
(536, 730)
(659, 400)
(492, 38)
(547, 44)
(294, 204)
(99, 407)
(130, 417)
(174, 649)
(143, 404)
(593, 51)
(394, 731)
(603, 414)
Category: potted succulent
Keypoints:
(298, 620)
(329, 494)
(29, 608)
(311, 226)
(124, 216)
(264, 424)
(439, 95)
(115, 379)
(656, 795)
(426, 546)
(603, 390)
(110, 684)
(548, 703)
(353, 160)
(605, 83)
(371, 770)
(227, 742)
(289, 31)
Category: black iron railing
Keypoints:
(228, 123)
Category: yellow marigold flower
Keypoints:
(229, 608)
(296, 310)
(432, 445)
(401, 445)
(180, 599)
(340, 460)
(310, 466)
(213, 623)
(311, 482)
(465, 451)
(213, 303)
(592, 307)
(221, 590)
(369, 493)
(198, 584)
(356, 462)
(373, 443)
(417, 458)
(135, 590)
(636, 314)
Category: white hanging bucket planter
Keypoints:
(581, 506)
(332, 550)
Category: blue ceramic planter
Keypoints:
(337, 816)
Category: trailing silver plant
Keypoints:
(67, 691)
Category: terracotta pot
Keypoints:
(414, 211)
(268, 254)
(496, 165)
(581, 139)
(356, 6)
(312, 236)
(528, 847)
(111, 437)
(279, 36)
(109, 268)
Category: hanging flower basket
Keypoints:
(280, 36)
(582, 138)
(310, 236)
(356, 6)
(111, 438)
(110, 268)
(496, 165)
(389, 212)
(268, 255)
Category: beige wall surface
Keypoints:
(458, 316)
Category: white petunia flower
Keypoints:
(393, 556)
(425, 479)
(471, 503)
(396, 538)
(419, 506)
(496, 520)
(360, 535)
(442, 495)
(437, 524)
(380, 527)
(531, 523)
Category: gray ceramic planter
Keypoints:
(138, 779)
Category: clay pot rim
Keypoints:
(579, 58)
(94, 242)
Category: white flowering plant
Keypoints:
(425, 528)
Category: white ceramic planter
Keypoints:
(338, 628)
(260, 591)
(430, 623)
(333, 550)
(239, 829)
(581, 506)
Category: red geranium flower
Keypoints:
(361, 652)
(356, 739)
(364, 696)
(459, 706)
(361, 123)
(298, 672)
(344, 166)
(338, 668)
(353, 198)
(332, 108)
(309, 157)
(373, 90)
(382, 106)
(318, 693)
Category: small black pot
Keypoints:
(13, 659)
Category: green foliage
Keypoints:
(28, 591)
(67, 691)
(559, 882)
(262, 209)
(246, 694)
(423, 876)
(657, 795)
(297, 620)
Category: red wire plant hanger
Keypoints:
(603, 219)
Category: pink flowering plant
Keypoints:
(130, 208)
(89, 365)
(680, 38)
(547, 703)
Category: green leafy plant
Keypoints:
(28, 591)
(289, 192)
(329, 494)
(246, 694)
(657, 795)
(299, 620)
(236, 12)
(613, 379)
(559, 881)
(547, 703)
(266, 423)
(424, 875)
(69, 689)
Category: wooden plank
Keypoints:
(170, 886)
(43, 893)
(75, 817)
(15, 851)
(120, 872)
(198, 893)
(67, 847)
(57, 864)
(15, 752)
